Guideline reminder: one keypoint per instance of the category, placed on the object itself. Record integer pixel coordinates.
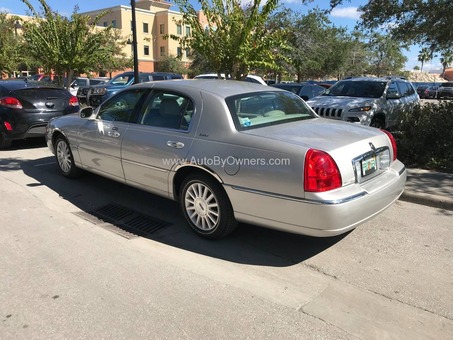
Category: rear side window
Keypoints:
(168, 110)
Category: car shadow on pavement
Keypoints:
(29, 143)
(248, 244)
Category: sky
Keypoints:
(345, 15)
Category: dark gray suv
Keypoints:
(445, 90)
(99, 93)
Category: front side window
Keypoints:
(168, 110)
(267, 108)
(393, 90)
(120, 107)
(121, 79)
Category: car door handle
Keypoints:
(114, 132)
(176, 145)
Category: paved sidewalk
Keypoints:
(429, 188)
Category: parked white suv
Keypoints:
(370, 101)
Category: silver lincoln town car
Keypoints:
(233, 151)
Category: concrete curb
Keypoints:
(427, 199)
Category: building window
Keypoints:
(179, 30)
(187, 52)
(179, 52)
(162, 28)
(114, 23)
(162, 51)
(188, 31)
(146, 50)
(105, 24)
(145, 27)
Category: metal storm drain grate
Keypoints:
(124, 221)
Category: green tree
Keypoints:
(65, 45)
(314, 48)
(424, 22)
(10, 56)
(423, 56)
(170, 64)
(386, 56)
(235, 39)
(446, 60)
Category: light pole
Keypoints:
(134, 42)
(17, 26)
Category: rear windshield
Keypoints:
(362, 89)
(43, 92)
(252, 110)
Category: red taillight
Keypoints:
(73, 101)
(11, 102)
(320, 172)
(393, 143)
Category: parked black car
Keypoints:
(96, 94)
(427, 91)
(305, 90)
(26, 108)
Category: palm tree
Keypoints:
(423, 56)
(446, 60)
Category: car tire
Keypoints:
(65, 159)
(4, 143)
(378, 123)
(206, 207)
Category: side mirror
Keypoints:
(305, 98)
(392, 95)
(86, 112)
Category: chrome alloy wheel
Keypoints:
(201, 206)
(64, 156)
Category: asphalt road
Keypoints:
(67, 275)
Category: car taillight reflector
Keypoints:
(8, 126)
(73, 101)
(320, 172)
(11, 102)
(393, 143)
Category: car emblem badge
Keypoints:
(50, 105)
(372, 146)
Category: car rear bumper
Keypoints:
(321, 218)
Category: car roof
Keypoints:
(385, 79)
(22, 84)
(219, 87)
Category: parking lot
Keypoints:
(71, 271)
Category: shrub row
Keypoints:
(425, 137)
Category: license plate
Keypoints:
(368, 166)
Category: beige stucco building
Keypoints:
(154, 20)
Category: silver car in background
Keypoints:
(376, 102)
(231, 152)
